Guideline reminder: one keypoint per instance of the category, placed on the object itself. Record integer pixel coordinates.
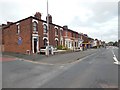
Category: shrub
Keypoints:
(60, 47)
(64, 48)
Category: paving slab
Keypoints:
(54, 59)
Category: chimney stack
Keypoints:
(50, 18)
(8, 23)
(65, 27)
(37, 15)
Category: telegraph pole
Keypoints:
(47, 29)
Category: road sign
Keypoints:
(19, 40)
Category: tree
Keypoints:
(115, 43)
(110, 43)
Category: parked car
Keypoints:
(50, 47)
(43, 50)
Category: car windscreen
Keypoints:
(43, 48)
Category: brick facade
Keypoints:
(11, 37)
(30, 35)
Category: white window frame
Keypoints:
(61, 31)
(56, 31)
(56, 28)
(44, 29)
(18, 28)
(34, 20)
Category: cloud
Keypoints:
(97, 18)
(101, 22)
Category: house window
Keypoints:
(60, 32)
(56, 43)
(78, 36)
(66, 33)
(75, 35)
(72, 44)
(66, 44)
(18, 29)
(45, 28)
(56, 31)
(72, 34)
(75, 44)
(35, 26)
(61, 42)
(45, 42)
(69, 44)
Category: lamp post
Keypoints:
(47, 29)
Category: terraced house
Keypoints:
(30, 34)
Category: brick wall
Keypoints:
(11, 37)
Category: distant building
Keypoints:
(87, 41)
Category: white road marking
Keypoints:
(115, 58)
(118, 63)
(61, 66)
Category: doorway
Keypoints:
(35, 45)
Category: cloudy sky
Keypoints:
(97, 18)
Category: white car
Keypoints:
(50, 47)
(42, 49)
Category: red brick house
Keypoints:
(71, 38)
(30, 34)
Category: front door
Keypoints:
(35, 45)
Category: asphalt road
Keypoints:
(94, 71)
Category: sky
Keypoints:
(96, 18)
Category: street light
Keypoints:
(47, 29)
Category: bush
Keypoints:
(60, 47)
(64, 48)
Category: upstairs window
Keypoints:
(45, 28)
(75, 35)
(61, 33)
(79, 36)
(18, 29)
(35, 28)
(72, 34)
(56, 31)
(66, 33)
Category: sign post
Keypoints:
(80, 43)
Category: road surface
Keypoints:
(97, 70)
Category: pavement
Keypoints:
(96, 70)
(55, 59)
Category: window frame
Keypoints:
(66, 33)
(18, 29)
(45, 28)
(35, 26)
(45, 42)
(56, 32)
